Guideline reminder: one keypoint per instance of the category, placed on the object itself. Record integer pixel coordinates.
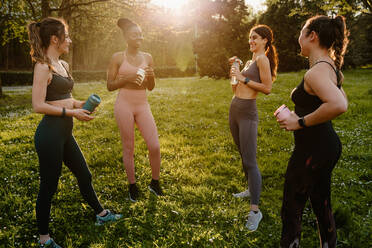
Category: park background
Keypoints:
(190, 41)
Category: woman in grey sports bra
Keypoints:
(257, 76)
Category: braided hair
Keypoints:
(333, 35)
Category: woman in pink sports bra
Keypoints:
(132, 73)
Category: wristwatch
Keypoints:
(246, 80)
(301, 122)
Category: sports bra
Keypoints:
(127, 68)
(60, 87)
(252, 72)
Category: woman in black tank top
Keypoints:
(318, 99)
(54, 141)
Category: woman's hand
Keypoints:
(290, 123)
(149, 72)
(82, 114)
(78, 104)
(236, 72)
(232, 59)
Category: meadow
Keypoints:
(201, 168)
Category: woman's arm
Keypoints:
(114, 81)
(42, 76)
(334, 100)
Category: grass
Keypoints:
(201, 168)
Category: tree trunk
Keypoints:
(45, 8)
(1, 89)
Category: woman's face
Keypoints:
(134, 36)
(304, 41)
(256, 42)
(65, 45)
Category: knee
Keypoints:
(86, 177)
(154, 148)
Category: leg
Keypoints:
(146, 125)
(320, 197)
(49, 147)
(248, 149)
(75, 161)
(294, 199)
(125, 120)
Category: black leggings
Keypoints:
(55, 143)
(243, 120)
(317, 150)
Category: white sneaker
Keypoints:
(242, 194)
(253, 220)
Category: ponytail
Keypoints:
(39, 34)
(341, 40)
(37, 52)
(332, 33)
(273, 58)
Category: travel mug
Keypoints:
(92, 102)
(282, 112)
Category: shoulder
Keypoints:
(148, 57)
(117, 57)
(41, 68)
(263, 62)
(317, 73)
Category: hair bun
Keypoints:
(124, 23)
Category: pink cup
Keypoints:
(282, 112)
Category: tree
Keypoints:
(222, 32)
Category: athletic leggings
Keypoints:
(132, 107)
(55, 143)
(243, 120)
(317, 150)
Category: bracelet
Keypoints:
(63, 112)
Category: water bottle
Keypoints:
(237, 63)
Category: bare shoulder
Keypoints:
(41, 68)
(148, 57)
(316, 74)
(117, 57)
(262, 60)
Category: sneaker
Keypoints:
(109, 217)
(253, 220)
(154, 187)
(133, 192)
(243, 194)
(49, 244)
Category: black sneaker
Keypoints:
(133, 192)
(154, 187)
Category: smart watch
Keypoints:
(301, 122)
(246, 80)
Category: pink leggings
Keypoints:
(132, 107)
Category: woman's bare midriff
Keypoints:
(65, 103)
(244, 92)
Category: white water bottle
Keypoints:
(237, 63)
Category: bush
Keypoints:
(15, 78)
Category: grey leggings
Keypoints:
(243, 120)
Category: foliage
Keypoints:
(222, 33)
(201, 168)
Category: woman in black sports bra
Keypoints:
(318, 99)
(54, 142)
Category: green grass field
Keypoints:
(201, 168)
